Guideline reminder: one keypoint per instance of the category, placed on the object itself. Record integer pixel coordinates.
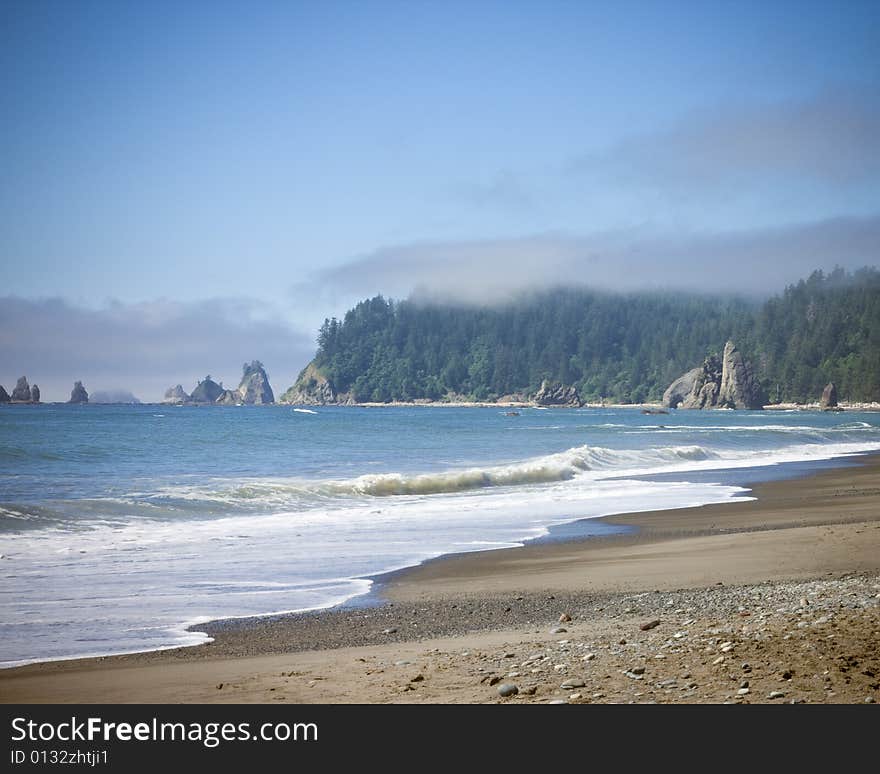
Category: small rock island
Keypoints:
(254, 389)
(725, 382)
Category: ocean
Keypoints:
(123, 526)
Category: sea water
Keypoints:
(123, 526)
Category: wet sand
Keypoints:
(789, 581)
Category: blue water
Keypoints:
(122, 525)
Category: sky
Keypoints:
(186, 186)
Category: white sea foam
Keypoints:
(590, 462)
(122, 579)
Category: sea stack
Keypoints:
(829, 397)
(22, 391)
(207, 391)
(725, 382)
(254, 387)
(78, 394)
(175, 395)
(4, 396)
(739, 388)
(35, 394)
(228, 398)
(557, 395)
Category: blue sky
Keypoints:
(270, 163)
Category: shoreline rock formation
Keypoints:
(206, 391)
(312, 388)
(22, 391)
(78, 394)
(175, 395)
(557, 395)
(228, 398)
(725, 382)
(4, 396)
(35, 393)
(254, 388)
(829, 398)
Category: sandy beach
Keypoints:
(772, 600)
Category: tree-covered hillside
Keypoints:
(825, 328)
(624, 348)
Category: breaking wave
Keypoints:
(547, 469)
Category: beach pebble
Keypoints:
(742, 691)
(507, 689)
(637, 670)
(650, 625)
(588, 657)
(558, 630)
(869, 700)
(717, 661)
(390, 630)
(557, 701)
(573, 683)
(775, 695)
(634, 676)
(402, 662)
(564, 618)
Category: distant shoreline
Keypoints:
(842, 406)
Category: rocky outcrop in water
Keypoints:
(4, 396)
(228, 398)
(557, 395)
(725, 382)
(254, 387)
(685, 386)
(829, 397)
(35, 393)
(22, 391)
(739, 387)
(78, 394)
(207, 391)
(312, 388)
(176, 395)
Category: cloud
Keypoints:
(145, 347)
(503, 191)
(755, 262)
(831, 139)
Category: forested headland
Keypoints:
(620, 347)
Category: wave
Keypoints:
(556, 467)
(551, 468)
